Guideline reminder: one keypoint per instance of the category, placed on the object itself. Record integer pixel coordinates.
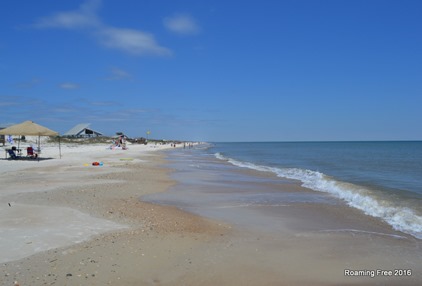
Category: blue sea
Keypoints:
(381, 179)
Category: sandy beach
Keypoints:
(211, 143)
(66, 222)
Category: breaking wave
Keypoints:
(401, 218)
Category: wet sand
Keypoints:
(289, 234)
(162, 245)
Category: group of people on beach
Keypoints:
(120, 142)
(190, 145)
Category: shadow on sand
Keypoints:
(29, 159)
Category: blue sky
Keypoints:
(267, 70)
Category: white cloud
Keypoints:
(181, 24)
(130, 41)
(118, 74)
(68, 85)
(82, 18)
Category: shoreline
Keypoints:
(300, 236)
(168, 246)
(114, 197)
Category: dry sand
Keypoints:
(152, 245)
(147, 244)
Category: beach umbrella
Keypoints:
(29, 128)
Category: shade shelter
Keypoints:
(29, 128)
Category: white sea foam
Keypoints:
(364, 232)
(400, 218)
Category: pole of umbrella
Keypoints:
(39, 147)
(19, 143)
(60, 148)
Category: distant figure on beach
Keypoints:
(10, 139)
(16, 151)
(122, 140)
(119, 143)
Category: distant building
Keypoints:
(82, 131)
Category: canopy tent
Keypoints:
(29, 128)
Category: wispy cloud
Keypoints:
(132, 41)
(64, 110)
(105, 116)
(29, 84)
(118, 74)
(8, 103)
(104, 103)
(69, 85)
(182, 24)
(84, 17)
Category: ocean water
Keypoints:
(382, 179)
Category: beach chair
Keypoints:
(31, 153)
(12, 154)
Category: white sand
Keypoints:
(29, 228)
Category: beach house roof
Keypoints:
(82, 130)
